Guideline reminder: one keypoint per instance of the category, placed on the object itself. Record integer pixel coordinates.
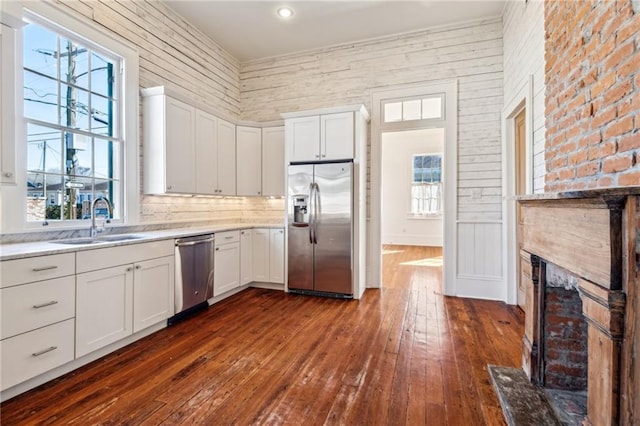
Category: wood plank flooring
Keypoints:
(404, 354)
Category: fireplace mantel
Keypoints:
(592, 234)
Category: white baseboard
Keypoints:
(413, 240)
(480, 287)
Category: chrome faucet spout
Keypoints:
(93, 231)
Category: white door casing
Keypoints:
(450, 124)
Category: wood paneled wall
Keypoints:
(523, 26)
(347, 74)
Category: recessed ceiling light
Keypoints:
(285, 12)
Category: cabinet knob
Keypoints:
(138, 267)
(217, 248)
(258, 192)
(129, 269)
(8, 174)
(169, 187)
(324, 155)
(317, 155)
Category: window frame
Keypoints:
(419, 122)
(14, 219)
(413, 215)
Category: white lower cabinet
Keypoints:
(30, 354)
(226, 262)
(122, 290)
(268, 255)
(276, 256)
(246, 256)
(153, 292)
(104, 312)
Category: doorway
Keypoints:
(412, 205)
(415, 108)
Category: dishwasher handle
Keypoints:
(180, 243)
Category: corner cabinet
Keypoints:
(249, 160)
(185, 150)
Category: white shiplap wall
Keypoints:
(175, 54)
(347, 74)
(470, 53)
(524, 56)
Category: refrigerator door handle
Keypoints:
(317, 213)
(311, 234)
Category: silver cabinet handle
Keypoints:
(44, 351)
(180, 243)
(42, 305)
(228, 238)
(44, 268)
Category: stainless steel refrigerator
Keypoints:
(320, 229)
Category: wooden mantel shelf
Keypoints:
(602, 194)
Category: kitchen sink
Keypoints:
(97, 240)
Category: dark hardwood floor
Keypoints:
(404, 354)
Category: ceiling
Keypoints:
(251, 30)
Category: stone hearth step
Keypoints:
(523, 404)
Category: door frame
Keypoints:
(450, 172)
(522, 100)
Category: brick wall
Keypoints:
(592, 103)
(565, 345)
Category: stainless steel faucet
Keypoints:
(93, 231)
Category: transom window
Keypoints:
(426, 186)
(427, 108)
(73, 133)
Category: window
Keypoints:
(428, 108)
(426, 186)
(73, 137)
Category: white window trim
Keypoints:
(438, 215)
(13, 208)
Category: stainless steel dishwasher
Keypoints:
(194, 275)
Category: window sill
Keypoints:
(437, 216)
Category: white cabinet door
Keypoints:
(227, 268)
(249, 160)
(246, 257)
(261, 255)
(206, 157)
(226, 158)
(336, 136)
(303, 137)
(273, 169)
(180, 146)
(276, 256)
(153, 292)
(104, 307)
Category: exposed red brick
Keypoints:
(603, 84)
(618, 163)
(630, 178)
(619, 55)
(629, 142)
(605, 182)
(588, 169)
(618, 127)
(617, 92)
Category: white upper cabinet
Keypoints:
(179, 119)
(249, 160)
(186, 150)
(303, 134)
(226, 158)
(324, 135)
(206, 153)
(273, 170)
(336, 136)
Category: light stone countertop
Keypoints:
(41, 248)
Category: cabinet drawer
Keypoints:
(30, 306)
(30, 354)
(21, 271)
(227, 237)
(93, 260)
